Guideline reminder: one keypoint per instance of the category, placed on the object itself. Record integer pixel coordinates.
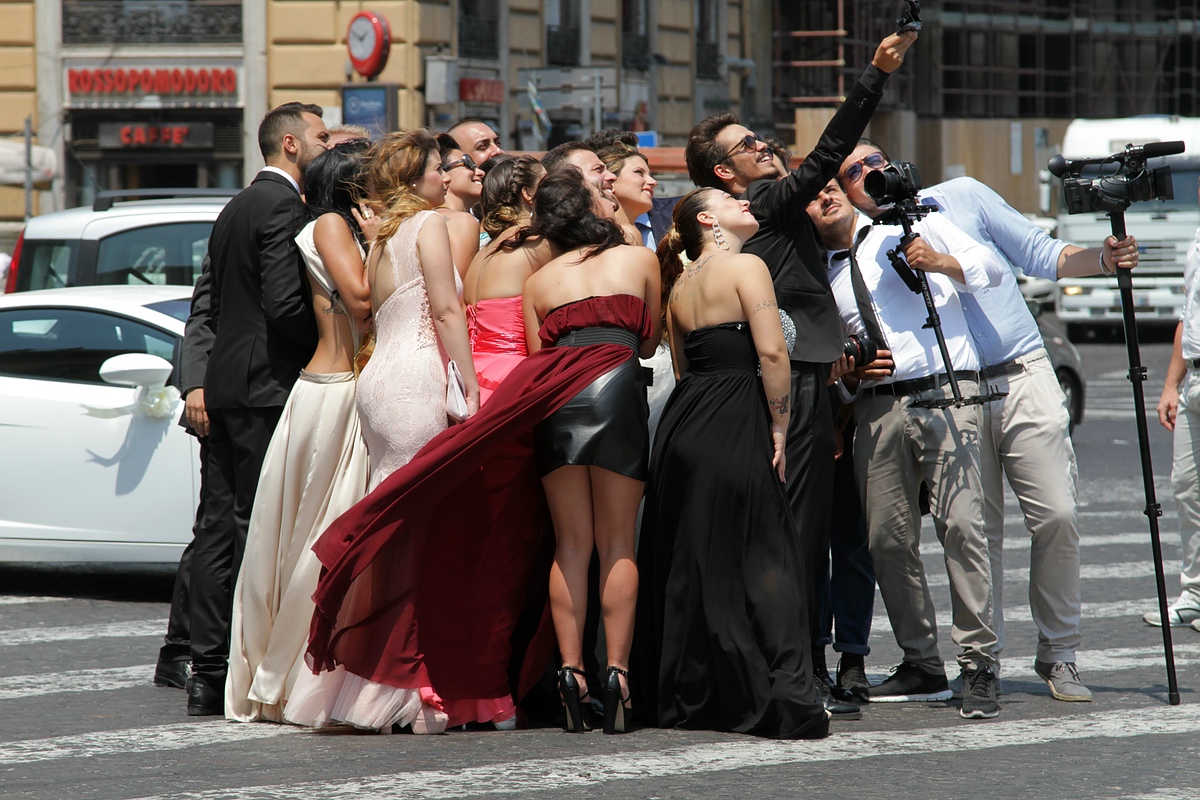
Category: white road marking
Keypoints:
(1087, 572)
(18, 600)
(73, 633)
(1116, 659)
(1018, 538)
(1020, 613)
(150, 739)
(80, 680)
(549, 775)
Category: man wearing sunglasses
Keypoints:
(903, 439)
(1026, 434)
(723, 154)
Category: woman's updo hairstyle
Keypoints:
(398, 161)
(686, 237)
(564, 213)
(616, 154)
(501, 200)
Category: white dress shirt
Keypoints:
(901, 312)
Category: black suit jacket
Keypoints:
(786, 239)
(260, 316)
(661, 212)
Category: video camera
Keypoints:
(1130, 181)
(897, 182)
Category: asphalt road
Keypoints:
(80, 719)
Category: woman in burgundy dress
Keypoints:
(465, 606)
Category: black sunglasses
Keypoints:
(465, 161)
(750, 142)
(855, 170)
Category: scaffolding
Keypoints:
(997, 58)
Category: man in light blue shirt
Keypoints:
(1026, 435)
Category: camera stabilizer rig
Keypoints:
(1111, 185)
(897, 184)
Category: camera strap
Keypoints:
(862, 295)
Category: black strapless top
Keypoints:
(724, 348)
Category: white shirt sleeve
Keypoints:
(981, 267)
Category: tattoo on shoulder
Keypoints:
(781, 405)
(765, 305)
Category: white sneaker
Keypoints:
(1181, 614)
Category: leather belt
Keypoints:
(914, 385)
(583, 337)
(1005, 370)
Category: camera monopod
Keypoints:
(1112, 193)
(905, 212)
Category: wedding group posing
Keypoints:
(360, 560)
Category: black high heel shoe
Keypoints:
(572, 699)
(616, 713)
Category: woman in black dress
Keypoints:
(722, 638)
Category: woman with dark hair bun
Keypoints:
(493, 284)
(462, 197)
(316, 465)
(722, 634)
(469, 510)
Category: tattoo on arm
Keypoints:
(781, 405)
(765, 305)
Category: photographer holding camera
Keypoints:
(910, 429)
(1026, 434)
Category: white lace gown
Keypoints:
(401, 405)
(315, 469)
(402, 390)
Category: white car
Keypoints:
(94, 465)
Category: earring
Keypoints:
(719, 236)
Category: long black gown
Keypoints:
(721, 640)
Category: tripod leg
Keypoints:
(1137, 376)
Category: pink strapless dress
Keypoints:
(497, 330)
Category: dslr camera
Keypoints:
(1117, 181)
(897, 182)
(860, 348)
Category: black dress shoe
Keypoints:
(838, 709)
(203, 700)
(172, 673)
(825, 680)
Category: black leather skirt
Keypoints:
(606, 424)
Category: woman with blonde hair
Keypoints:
(722, 633)
(419, 324)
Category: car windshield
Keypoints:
(179, 309)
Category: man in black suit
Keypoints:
(263, 332)
(723, 154)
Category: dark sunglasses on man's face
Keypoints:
(749, 143)
(855, 170)
(465, 161)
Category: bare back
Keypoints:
(497, 272)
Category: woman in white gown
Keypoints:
(316, 466)
(419, 323)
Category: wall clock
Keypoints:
(368, 39)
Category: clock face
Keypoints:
(362, 38)
(368, 39)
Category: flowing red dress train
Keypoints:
(438, 578)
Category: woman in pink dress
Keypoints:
(493, 284)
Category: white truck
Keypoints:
(1164, 229)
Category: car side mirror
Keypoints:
(136, 369)
(1035, 308)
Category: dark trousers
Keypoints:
(237, 440)
(809, 452)
(845, 578)
(177, 644)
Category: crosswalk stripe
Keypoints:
(70, 633)
(79, 680)
(17, 600)
(1087, 572)
(1020, 613)
(150, 739)
(1018, 539)
(585, 772)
